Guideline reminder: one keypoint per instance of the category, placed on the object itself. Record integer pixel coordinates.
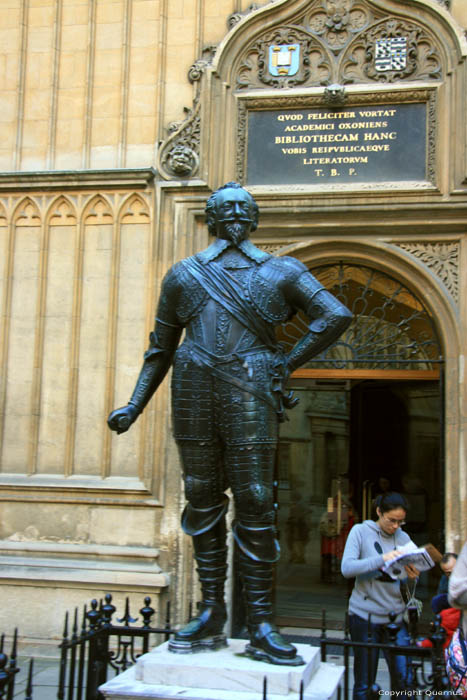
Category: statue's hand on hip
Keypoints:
(121, 419)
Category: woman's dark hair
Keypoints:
(391, 501)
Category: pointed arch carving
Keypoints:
(336, 23)
(134, 210)
(98, 211)
(27, 213)
(62, 212)
(3, 215)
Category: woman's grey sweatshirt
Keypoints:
(373, 592)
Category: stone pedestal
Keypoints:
(223, 675)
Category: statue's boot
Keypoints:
(266, 642)
(206, 630)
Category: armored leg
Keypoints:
(205, 631)
(258, 551)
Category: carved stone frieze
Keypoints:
(442, 258)
(390, 51)
(270, 247)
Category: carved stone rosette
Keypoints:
(336, 22)
(442, 258)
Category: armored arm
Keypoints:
(163, 342)
(329, 317)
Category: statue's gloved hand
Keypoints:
(122, 418)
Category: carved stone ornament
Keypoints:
(196, 71)
(339, 41)
(282, 58)
(337, 21)
(442, 259)
(237, 17)
(391, 51)
(334, 95)
(179, 154)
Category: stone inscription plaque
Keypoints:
(383, 143)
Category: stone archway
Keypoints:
(429, 289)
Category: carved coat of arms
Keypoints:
(391, 54)
(284, 59)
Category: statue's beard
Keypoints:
(236, 232)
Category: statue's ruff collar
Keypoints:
(221, 244)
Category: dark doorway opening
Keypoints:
(346, 441)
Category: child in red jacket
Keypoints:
(450, 618)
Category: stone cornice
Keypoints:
(119, 178)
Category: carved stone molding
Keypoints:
(442, 258)
(355, 100)
(237, 17)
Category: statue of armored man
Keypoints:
(228, 396)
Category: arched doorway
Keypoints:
(370, 418)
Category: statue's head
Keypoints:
(231, 213)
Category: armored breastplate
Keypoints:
(213, 326)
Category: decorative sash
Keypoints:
(224, 288)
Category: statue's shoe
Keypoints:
(203, 633)
(267, 644)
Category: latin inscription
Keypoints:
(299, 146)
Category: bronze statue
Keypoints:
(229, 395)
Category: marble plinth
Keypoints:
(225, 674)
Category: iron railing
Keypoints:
(426, 667)
(99, 645)
(9, 669)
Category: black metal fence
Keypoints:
(9, 669)
(89, 652)
(425, 666)
(98, 645)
